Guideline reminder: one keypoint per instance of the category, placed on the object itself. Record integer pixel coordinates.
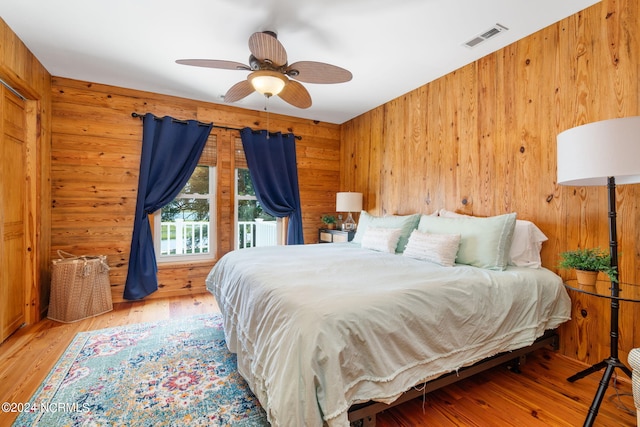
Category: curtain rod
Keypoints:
(134, 114)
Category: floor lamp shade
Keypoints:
(348, 202)
(590, 154)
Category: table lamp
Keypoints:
(602, 153)
(348, 202)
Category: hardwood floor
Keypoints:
(538, 396)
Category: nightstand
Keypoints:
(334, 236)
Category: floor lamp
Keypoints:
(602, 153)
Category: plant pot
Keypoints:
(331, 226)
(586, 278)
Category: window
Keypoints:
(254, 227)
(183, 229)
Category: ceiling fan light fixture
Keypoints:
(271, 73)
(268, 83)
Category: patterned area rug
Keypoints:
(169, 373)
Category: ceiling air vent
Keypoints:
(493, 31)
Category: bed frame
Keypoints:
(364, 414)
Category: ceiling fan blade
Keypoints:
(318, 72)
(266, 47)
(296, 94)
(214, 63)
(238, 91)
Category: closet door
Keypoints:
(13, 198)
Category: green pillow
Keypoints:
(406, 223)
(484, 243)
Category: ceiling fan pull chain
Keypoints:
(266, 103)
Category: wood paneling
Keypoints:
(95, 162)
(482, 141)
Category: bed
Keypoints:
(319, 328)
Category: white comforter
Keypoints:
(318, 328)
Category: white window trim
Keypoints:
(157, 226)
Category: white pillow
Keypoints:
(438, 248)
(526, 242)
(381, 239)
(526, 245)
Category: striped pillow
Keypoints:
(438, 248)
(381, 239)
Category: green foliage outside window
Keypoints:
(249, 210)
(190, 209)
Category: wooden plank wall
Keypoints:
(24, 73)
(95, 162)
(482, 141)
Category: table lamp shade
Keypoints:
(348, 202)
(589, 154)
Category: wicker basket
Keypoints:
(80, 287)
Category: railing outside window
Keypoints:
(184, 237)
(256, 233)
(192, 237)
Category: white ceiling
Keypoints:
(391, 47)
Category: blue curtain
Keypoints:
(274, 172)
(170, 152)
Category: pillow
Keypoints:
(526, 245)
(406, 223)
(438, 248)
(381, 239)
(484, 242)
(526, 242)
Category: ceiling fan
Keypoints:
(272, 75)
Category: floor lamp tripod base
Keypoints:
(610, 364)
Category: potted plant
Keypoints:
(329, 221)
(588, 263)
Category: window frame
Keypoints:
(157, 225)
